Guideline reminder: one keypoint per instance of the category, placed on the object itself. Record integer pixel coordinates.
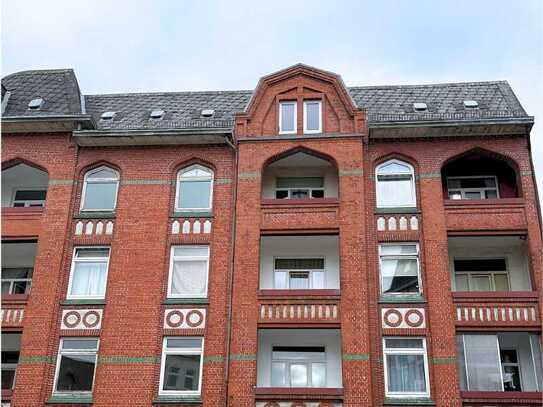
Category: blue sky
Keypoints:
(135, 46)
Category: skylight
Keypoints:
(420, 107)
(107, 115)
(471, 104)
(35, 104)
(157, 114)
(207, 112)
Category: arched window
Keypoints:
(194, 189)
(100, 190)
(395, 184)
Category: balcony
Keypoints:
(18, 259)
(11, 345)
(299, 365)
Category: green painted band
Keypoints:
(248, 175)
(356, 356)
(146, 182)
(62, 182)
(223, 181)
(240, 357)
(429, 175)
(526, 173)
(444, 360)
(355, 172)
(33, 360)
(213, 359)
(127, 360)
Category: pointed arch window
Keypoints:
(395, 185)
(100, 190)
(194, 189)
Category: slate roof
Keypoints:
(182, 110)
(58, 87)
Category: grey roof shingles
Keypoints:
(182, 110)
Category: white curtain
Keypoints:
(535, 346)
(189, 277)
(406, 373)
(483, 363)
(89, 278)
(395, 192)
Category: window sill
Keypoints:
(83, 302)
(507, 395)
(400, 209)
(70, 399)
(192, 214)
(289, 392)
(95, 215)
(15, 298)
(177, 400)
(401, 401)
(168, 301)
(300, 202)
(495, 296)
(316, 293)
(401, 299)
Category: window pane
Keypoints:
(196, 172)
(86, 253)
(480, 283)
(30, 195)
(317, 193)
(299, 193)
(189, 277)
(501, 282)
(76, 372)
(397, 343)
(287, 117)
(20, 287)
(281, 194)
(194, 194)
(182, 372)
(79, 344)
(455, 195)
(318, 375)
(399, 276)
(298, 375)
(395, 192)
(318, 279)
(23, 272)
(461, 282)
(103, 173)
(89, 278)
(398, 249)
(480, 265)
(6, 287)
(100, 195)
(299, 281)
(190, 251)
(299, 264)
(280, 279)
(178, 343)
(279, 374)
(312, 115)
(8, 378)
(394, 168)
(511, 378)
(473, 195)
(300, 182)
(298, 352)
(405, 373)
(483, 363)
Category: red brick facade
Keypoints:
(132, 329)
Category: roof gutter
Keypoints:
(40, 124)
(448, 123)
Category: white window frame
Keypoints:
(305, 270)
(491, 274)
(380, 199)
(12, 281)
(399, 257)
(295, 127)
(86, 181)
(481, 191)
(518, 365)
(29, 203)
(177, 351)
(70, 296)
(307, 362)
(187, 258)
(319, 130)
(75, 352)
(209, 177)
(308, 189)
(406, 351)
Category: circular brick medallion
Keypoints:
(91, 319)
(326, 404)
(174, 318)
(297, 404)
(71, 319)
(195, 318)
(272, 404)
(393, 318)
(414, 318)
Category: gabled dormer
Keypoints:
(300, 100)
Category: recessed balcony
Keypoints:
(18, 258)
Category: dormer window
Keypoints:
(471, 104)
(207, 113)
(420, 107)
(312, 116)
(157, 114)
(287, 117)
(107, 115)
(36, 104)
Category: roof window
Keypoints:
(420, 107)
(107, 115)
(157, 114)
(35, 104)
(471, 104)
(207, 112)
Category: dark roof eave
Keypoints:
(445, 123)
(44, 123)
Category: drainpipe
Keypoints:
(230, 284)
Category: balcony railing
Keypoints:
(21, 222)
(297, 214)
(486, 214)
